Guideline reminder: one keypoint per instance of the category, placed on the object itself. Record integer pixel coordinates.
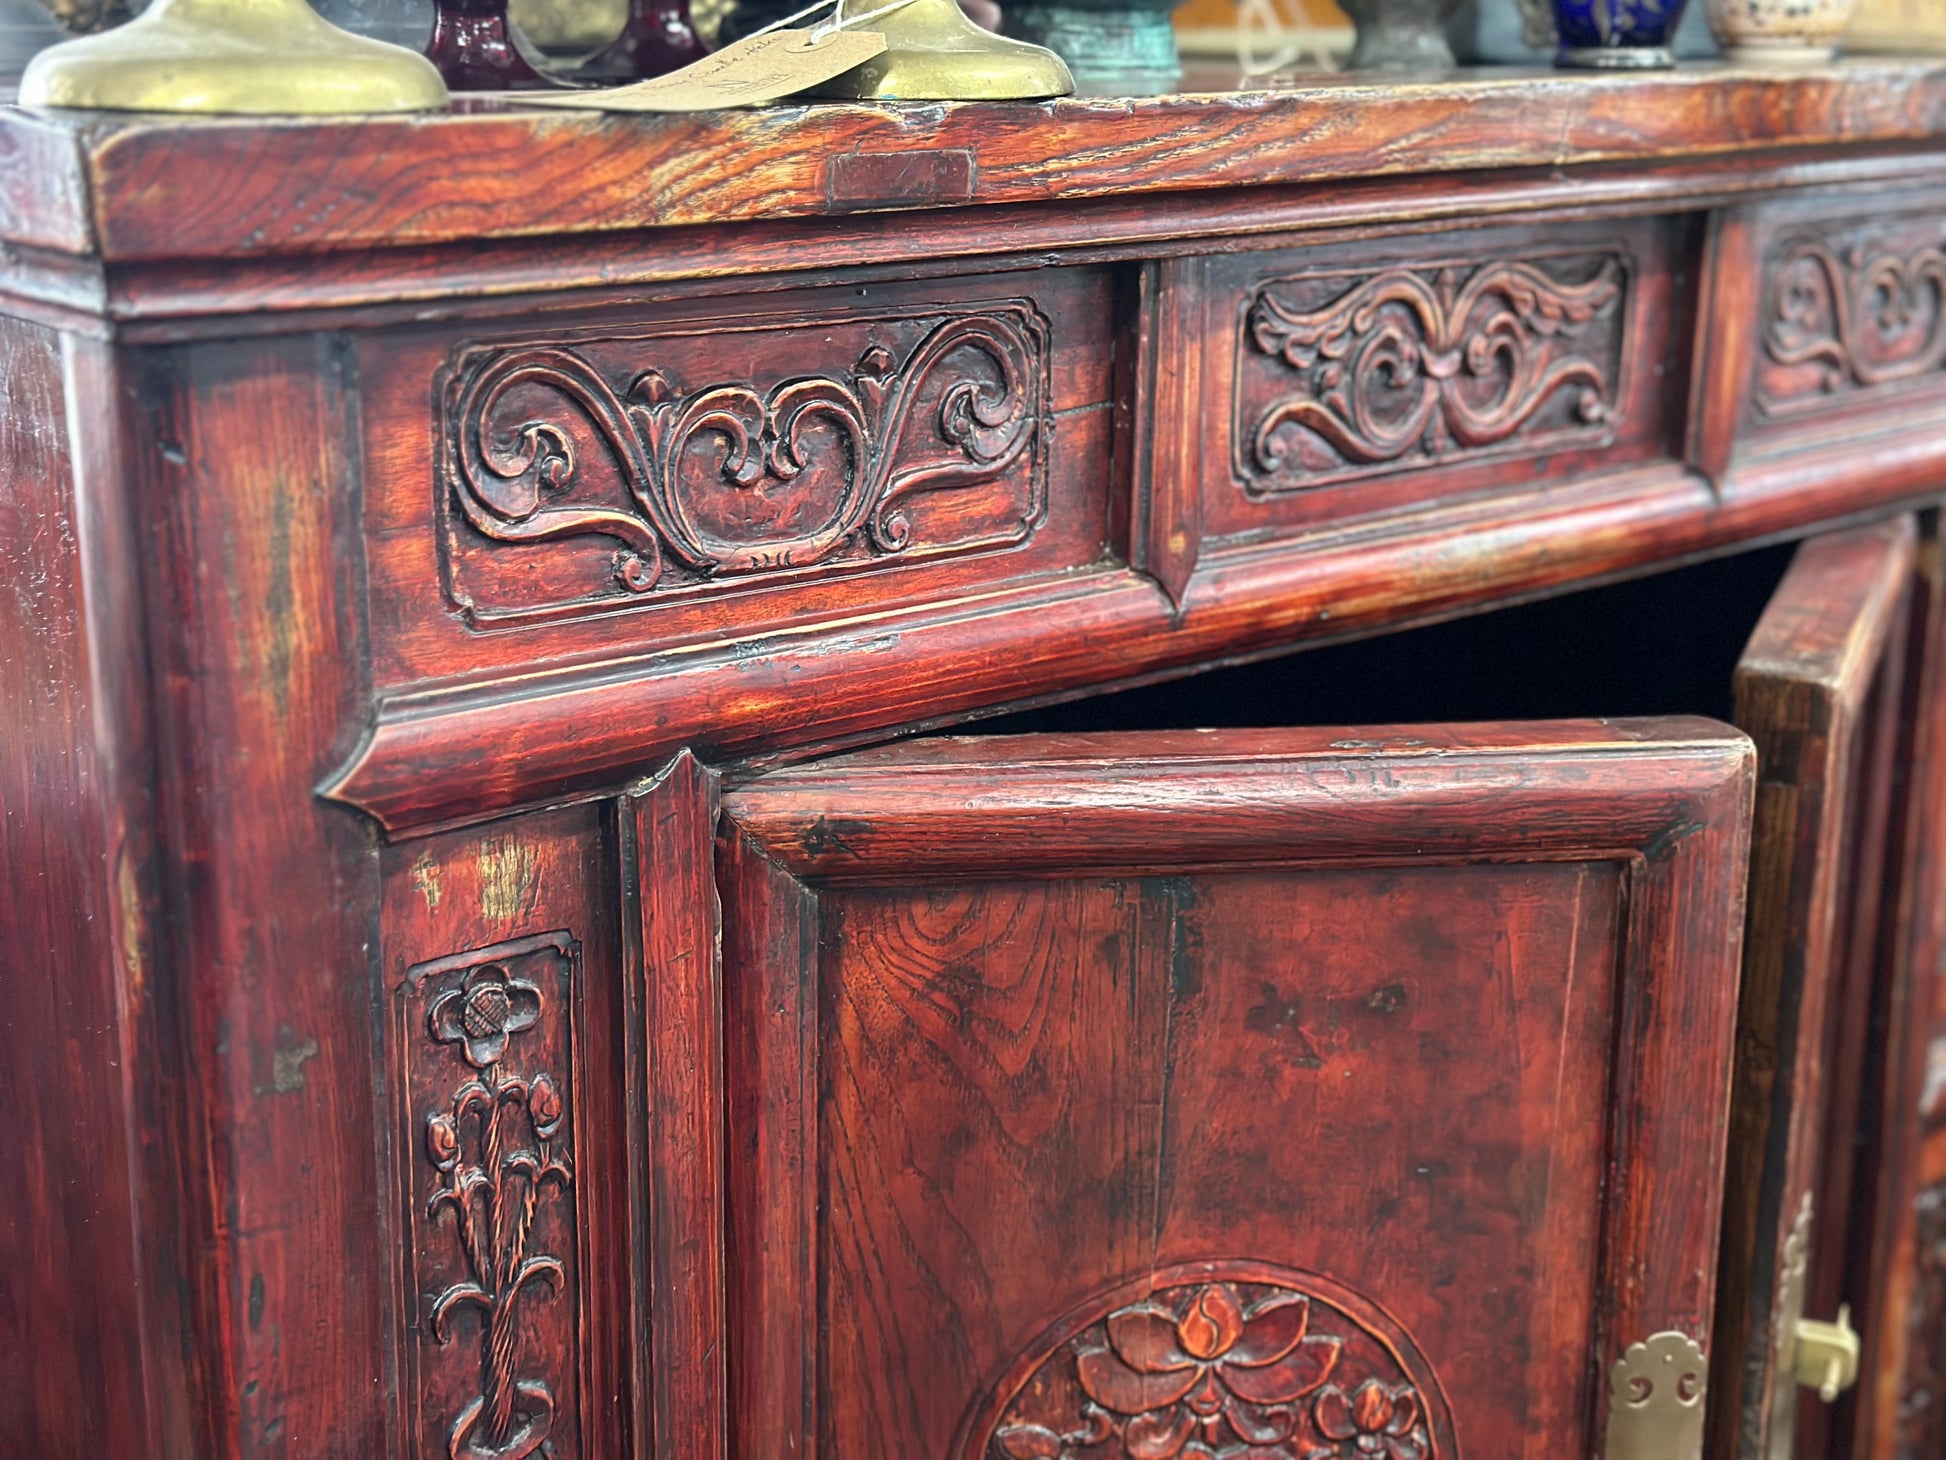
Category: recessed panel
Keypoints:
(1345, 381)
(1375, 1095)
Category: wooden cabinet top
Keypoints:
(143, 188)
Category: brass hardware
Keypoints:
(934, 53)
(1820, 1356)
(1827, 1355)
(1655, 1402)
(254, 57)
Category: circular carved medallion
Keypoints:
(1219, 1361)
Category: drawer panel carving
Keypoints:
(669, 463)
(1852, 311)
(1345, 382)
(606, 480)
(1342, 373)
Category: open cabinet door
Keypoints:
(1819, 689)
(1266, 1095)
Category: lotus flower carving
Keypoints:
(1376, 1419)
(1219, 1368)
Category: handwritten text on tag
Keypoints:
(756, 69)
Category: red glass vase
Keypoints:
(474, 45)
(659, 38)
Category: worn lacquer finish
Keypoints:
(1808, 687)
(406, 524)
(1022, 1061)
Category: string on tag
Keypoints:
(830, 26)
(834, 25)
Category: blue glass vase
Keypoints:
(1616, 34)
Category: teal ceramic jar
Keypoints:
(1110, 45)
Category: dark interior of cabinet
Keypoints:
(1665, 644)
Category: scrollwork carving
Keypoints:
(1443, 361)
(1237, 1361)
(1852, 318)
(826, 464)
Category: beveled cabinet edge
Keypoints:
(903, 811)
(530, 740)
(206, 187)
(673, 996)
(169, 299)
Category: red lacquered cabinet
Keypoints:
(518, 944)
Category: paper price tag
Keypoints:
(756, 69)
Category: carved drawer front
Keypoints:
(723, 464)
(1346, 380)
(1251, 1094)
(1851, 311)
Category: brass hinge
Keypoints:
(1655, 1403)
(1827, 1355)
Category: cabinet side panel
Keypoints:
(256, 638)
(70, 1280)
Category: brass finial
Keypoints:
(254, 57)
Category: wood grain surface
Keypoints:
(93, 1245)
(254, 640)
(1806, 688)
(1085, 1008)
(677, 1157)
(219, 188)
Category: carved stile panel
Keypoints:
(595, 473)
(1220, 1361)
(1851, 310)
(1342, 375)
(485, 1046)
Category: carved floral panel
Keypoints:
(485, 1057)
(1220, 1361)
(1348, 373)
(596, 473)
(1852, 310)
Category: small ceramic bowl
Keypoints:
(1779, 32)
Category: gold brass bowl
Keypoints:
(934, 53)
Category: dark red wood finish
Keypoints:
(140, 187)
(364, 555)
(1812, 689)
(92, 1244)
(1041, 1026)
(1894, 1269)
(678, 1150)
(501, 950)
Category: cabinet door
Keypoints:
(1819, 689)
(1266, 1095)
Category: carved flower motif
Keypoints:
(1181, 1375)
(442, 1141)
(544, 1104)
(485, 1013)
(1376, 1419)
